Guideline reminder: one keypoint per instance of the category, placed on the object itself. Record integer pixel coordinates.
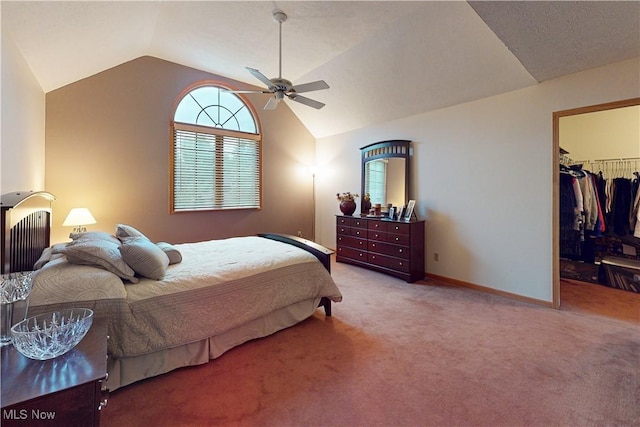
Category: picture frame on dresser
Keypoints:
(409, 212)
(392, 213)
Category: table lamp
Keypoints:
(78, 218)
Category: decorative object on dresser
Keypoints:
(409, 212)
(51, 335)
(347, 202)
(365, 206)
(392, 247)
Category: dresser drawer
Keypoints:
(351, 222)
(378, 235)
(399, 228)
(352, 242)
(396, 251)
(351, 231)
(389, 262)
(351, 253)
(377, 225)
(398, 239)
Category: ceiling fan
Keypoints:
(280, 87)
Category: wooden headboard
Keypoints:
(26, 228)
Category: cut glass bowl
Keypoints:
(53, 334)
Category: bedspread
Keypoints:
(220, 285)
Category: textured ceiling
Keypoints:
(383, 60)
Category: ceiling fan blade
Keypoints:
(309, 87)
(272, 103)
(306, 101)
(258, 75)
(246, 91)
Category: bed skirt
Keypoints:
(127, 370)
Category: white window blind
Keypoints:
(215, 171)
(375, 183)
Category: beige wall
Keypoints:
(107, 149)
(22, 135)
(610, 134)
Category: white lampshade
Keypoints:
(78, 218)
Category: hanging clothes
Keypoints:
(571, 223)
(621, 206)
(635, 210)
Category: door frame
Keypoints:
(556, 179)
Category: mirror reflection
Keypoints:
(384, 180)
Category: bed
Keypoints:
(209, 297)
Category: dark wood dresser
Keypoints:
(392, 247)
(64, 391)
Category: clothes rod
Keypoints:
(624, 159)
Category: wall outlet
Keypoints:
(436, 256)
(299, 233)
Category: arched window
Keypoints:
(215, 161)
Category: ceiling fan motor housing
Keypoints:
(282, 84)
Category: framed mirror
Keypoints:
(385, 173)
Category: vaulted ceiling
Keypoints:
(383, 60)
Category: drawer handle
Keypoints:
(357, 233)
(397, 238)
(373, 245)
(400, 264)
(397, 227)
(373, 257)
(360, 255)
(360, 242)
(400, 251)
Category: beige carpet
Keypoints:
(398, 354)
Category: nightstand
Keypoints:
(64, 391)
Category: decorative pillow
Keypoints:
(145, 257)
(100, 253)
(174, 255)
(123, 230)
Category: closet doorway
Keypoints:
(607, 157)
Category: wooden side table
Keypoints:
(65, 391)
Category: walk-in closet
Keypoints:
(599, 197)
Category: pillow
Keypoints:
(174, 255)
(45, 257)
(123, 230)
(48, 255)
(99, 253)
(94, 235)
(145, 257)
